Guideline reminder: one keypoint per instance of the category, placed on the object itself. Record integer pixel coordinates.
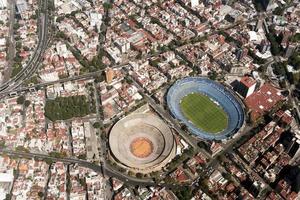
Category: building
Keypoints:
(259, 25)
(6, 182)
(263, 101)
(194, 3)
(285, 38)
(109, 75)
(3, 4)
(123, 45)
(246, 86)
(22, 7)
(264, 46)
(241, 53)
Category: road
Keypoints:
(45, 84)
(97, 168)
(34, 62)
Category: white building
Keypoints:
(122, 44)
(194, 3)
(3, 4)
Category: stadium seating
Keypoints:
(216, 92)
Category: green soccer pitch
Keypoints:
(204, 113)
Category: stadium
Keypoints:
(142, 143)
(207, 108)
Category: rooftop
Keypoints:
(248, 81)
(263, 100)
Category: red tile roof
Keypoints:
(263, 100)
(248, 81)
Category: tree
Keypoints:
(16, 26)
(40, 194)
(139, 175)
(27, 103)
(130, 173)
(63, 108)
(185, 193)
(295, 38)
(258, 5)
(278, 11)
(107, 6)
(279, 69)
(2, 143)
(213, 75)
(97, 125)
(20, 100)
(26, 48)
(294, 60)
(275, 41)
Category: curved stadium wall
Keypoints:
(216, 92)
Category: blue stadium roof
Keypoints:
(216, 92)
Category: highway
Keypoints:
(41, 85)
(34, 62)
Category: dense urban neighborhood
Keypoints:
(149, 100)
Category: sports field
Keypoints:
(204, 113)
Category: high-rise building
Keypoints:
(109, 75)
(246, 86)
(194, 3)
(241, 53)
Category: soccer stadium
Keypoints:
(142, 142)
(207, 108)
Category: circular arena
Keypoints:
(223, 101)
(142, 142)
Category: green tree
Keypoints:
(294, 60)
(295, 38)
(107, 6)
(139, 175)
(41, 194)
(97, 125)
(63, 108)
(16, 26)
(27, 103)
(20, 100)
(185, 193)
(278, 11)
(212, 75)
(279, 69)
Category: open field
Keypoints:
(204, 113)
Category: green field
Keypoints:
(204, 113)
